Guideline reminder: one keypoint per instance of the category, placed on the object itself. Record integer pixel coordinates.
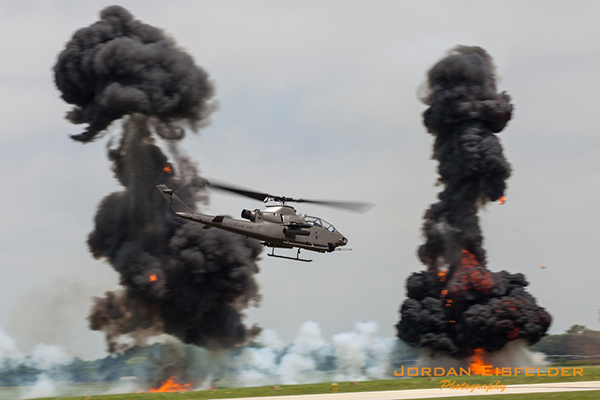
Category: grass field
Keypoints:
(590, 373)
(591, 395)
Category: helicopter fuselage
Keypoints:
(275, 226)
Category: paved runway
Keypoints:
(435, 393)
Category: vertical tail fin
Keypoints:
(175, 202)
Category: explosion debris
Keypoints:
(457, 307)
(177, 278)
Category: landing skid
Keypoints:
(297, 258)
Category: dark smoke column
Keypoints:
(176, 278)
(120, 65)
(457, 305)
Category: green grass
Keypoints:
(590, 373)
(589, 395)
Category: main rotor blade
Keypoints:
(261, 196)
(238, 190)
(359, 207)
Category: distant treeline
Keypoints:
(138, 362)
(577, 342)
(111, 368)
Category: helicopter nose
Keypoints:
(344, 241)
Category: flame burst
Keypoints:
(170, 385)
(153, 278)
(442, 275)
(469, 259)
(478, 364)
(502, 200)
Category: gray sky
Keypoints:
(317, 99)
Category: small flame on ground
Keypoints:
(170, 385)
(502, 200)
(153, 278)
(167, 168)
(478, 364)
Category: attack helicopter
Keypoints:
(277, 226)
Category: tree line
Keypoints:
(577, 342)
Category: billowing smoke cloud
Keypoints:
(33, 374)
(120, 65)
(358, 355)
(48, 359)
(457, 304)
(177, 278)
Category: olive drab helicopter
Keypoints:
(277, 226)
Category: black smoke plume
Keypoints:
(457, 304)
(120, 65)
(177, 278)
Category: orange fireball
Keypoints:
(469, 259)
(478, 364)
(170, 385)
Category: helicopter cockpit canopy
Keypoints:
(316, 221)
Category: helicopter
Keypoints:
(277, 226)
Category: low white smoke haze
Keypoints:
(351, 356)
(43, 357)
(8, 347)
(358, 355)
(43, 387)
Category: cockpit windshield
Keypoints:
(315, 221)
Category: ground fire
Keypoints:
(478, 365)
(457, 307)
(171, 385)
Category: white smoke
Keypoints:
(43, 357)
(356, 355)
(43, 387)
(299, 362)
(46, 356)
(517, 354)
(8, 346)
(361, 354)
